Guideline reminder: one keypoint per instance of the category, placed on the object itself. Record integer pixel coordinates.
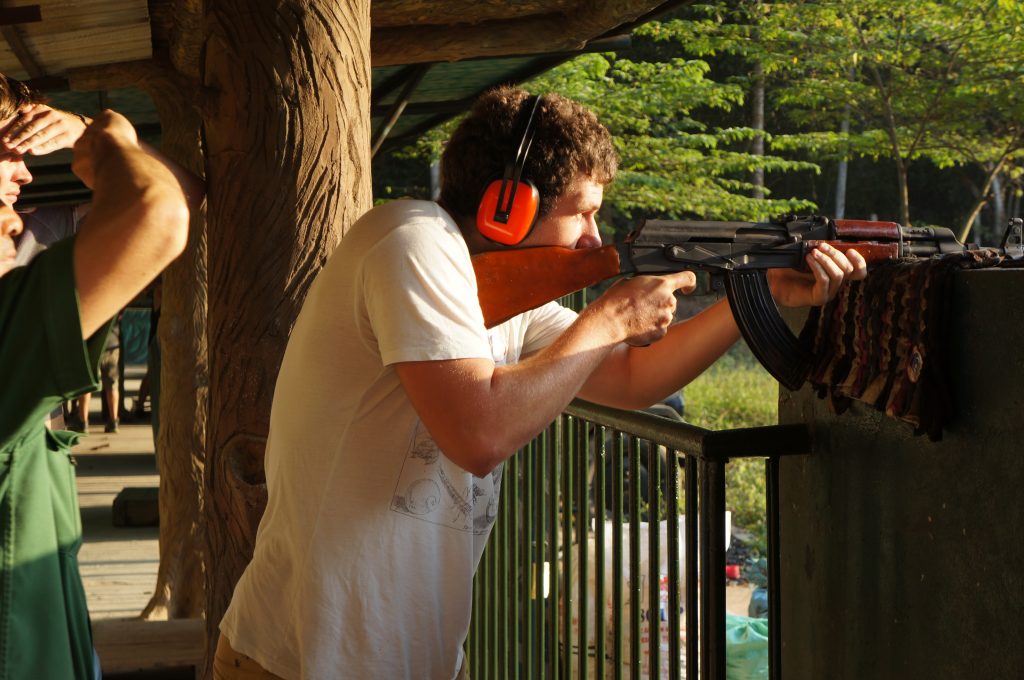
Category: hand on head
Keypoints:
(38, 129)
(829, 269)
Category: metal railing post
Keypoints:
(712, 569)
(774, 571)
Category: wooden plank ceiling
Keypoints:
(430, 58)
(72, 34)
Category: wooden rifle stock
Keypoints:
(510, 282)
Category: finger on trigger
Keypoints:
(684, 280)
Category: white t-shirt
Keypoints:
(364, 559)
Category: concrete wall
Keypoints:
(903, 558)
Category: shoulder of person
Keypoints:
(50, 224)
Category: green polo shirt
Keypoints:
(44, 623)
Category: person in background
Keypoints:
(54, 315)
(110, 379)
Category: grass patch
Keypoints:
(737, 392)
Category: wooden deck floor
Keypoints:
(118, 564)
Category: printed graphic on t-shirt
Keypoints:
(436, 490)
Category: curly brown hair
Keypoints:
(569, 142)
(14, 94)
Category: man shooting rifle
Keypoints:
(396, 407)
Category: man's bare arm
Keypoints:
(480, 414)
(636, 377)
(137, 225)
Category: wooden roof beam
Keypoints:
(10, 17)
(398, 13)
(528, 35)
(26, 14)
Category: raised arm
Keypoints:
(40, 129)
(137, 225)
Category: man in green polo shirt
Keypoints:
(54, 314)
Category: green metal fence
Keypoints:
(567, 587)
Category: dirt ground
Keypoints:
(737, 598)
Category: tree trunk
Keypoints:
(757, 117)
(184, 372)
(904, 190)
(992, 171)
(288, 169)
(998, 208)
(183, 386)
(843, 168)
(899, 158)
(757, 123)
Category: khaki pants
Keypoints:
(464, 671)
(231, 665)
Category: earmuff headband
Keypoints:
(514, 172)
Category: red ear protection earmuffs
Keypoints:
(509, 206)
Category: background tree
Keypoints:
(936, 80)
(674, 163)
(927, 94)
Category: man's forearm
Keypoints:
(480, 414)
(636, 377)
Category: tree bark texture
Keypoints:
(183, 399)
(183, 391)
(288, 170)
(184, 373)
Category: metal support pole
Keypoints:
(774, 571)
(712, 569)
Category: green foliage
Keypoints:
(673, 164)
(932, 79)
(932, 82)
(737, 392)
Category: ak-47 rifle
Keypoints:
(734, 254)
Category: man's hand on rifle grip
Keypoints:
(829, 269)
(643, 307)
